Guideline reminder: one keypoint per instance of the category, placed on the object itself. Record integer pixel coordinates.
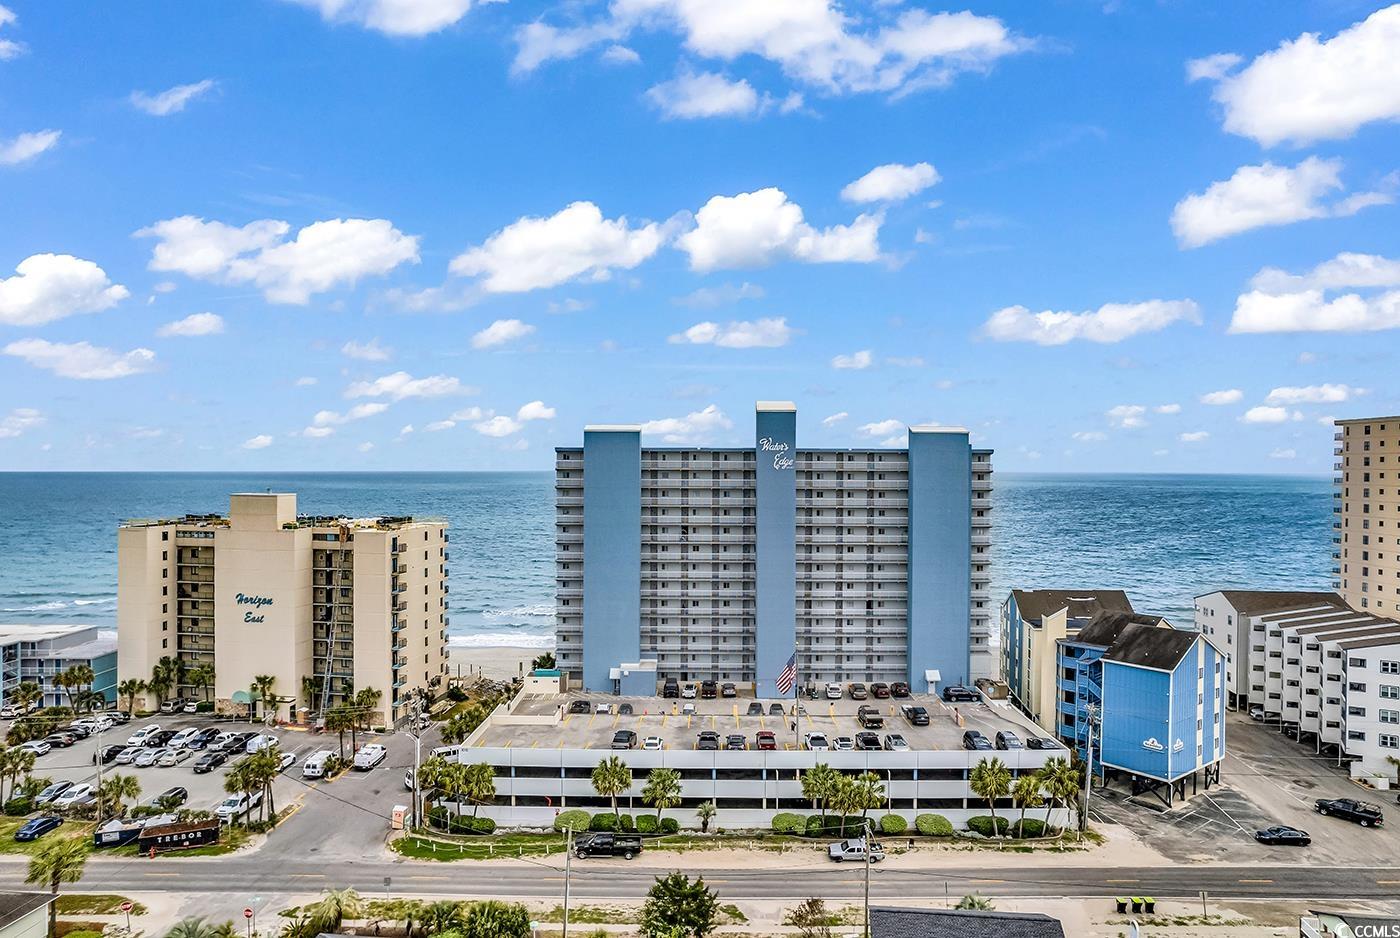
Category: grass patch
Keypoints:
(593, 915)
(78, 929)
(97, 903)
(1186, 921)
(230, 839)
(70, 830)
(730, 915)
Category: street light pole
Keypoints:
(1092, 711)
(869, 845)
(568, 866)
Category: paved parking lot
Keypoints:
(1266, 779)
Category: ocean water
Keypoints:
(1162, 538)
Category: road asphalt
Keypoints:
(612, 879)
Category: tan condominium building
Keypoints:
(325, 605)
(1366, 514)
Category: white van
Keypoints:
(315, 764)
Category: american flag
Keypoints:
(788, 676)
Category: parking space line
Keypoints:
(1261, 881)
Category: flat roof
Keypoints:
(1364, 420)
(19, 632)
(656, 716)
(1251, 602)
(781, 407)
(935, 428)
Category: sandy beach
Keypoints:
(497, 663)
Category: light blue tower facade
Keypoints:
(722, 563)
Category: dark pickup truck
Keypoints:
(1349, 809)
(626, 846)
(870, 718)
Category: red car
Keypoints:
(880, 690)
(765, 740)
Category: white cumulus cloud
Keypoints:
(1167, 409)
(575, 243)
(1220, 398)
(1195, 436)
(1112, 322)
(1269, 195)
(498, 426)
(261, 441)
(1314, 394)
(882, 427)
(755, 229)
(891, 182)
(697, 426)
(370, 351)
(195, 324)
(401, 385)
(856, 361)
(411, 18)
(1284, 454)
(323, 256)
(692, 95)
(834, 419)
(1310, 88)
(501, 332)
(761, 333)
(172, 100)
(19, 420)
(535, 410)
(332, 418)
(27, 146)
(1127, 416)
(1307, 302)
(1088, 436)
(48, 287)
(82, 360)
(1266, 414)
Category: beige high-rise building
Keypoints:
(1366, 514)
(326, 605)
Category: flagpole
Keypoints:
(796, 703)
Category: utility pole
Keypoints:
(97, 727)
(414, 708)
(568, 865)
(869, 845)
(1092, 712)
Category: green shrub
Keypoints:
(443, 819)
(18, 807)
(933, 825)
(626, 824)
(573, 819)
(670, 825)
(204, 706)
(1030, 827)
(983, 824)
(647, 824)
(606, 822)
(82, 933)
(787, 823)
(815, 825)
(893, 824)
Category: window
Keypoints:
(1389, 741)
(1390, 667)
(1390, 692)
(1356, 662)
(1390, 716)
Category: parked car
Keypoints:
(314, 766)
(172, 757)
(172, 706)
(128, 755)
(916, 715)
(235, 806)
(107, 753)
(624, 709)
(174, 796)
(736, 742)
(671, 688)
(185, 736)
(776, 710)
(866, 740)
(755, 708)
(260, 742)
(190, 707)
(816, 742)
(626, 846)
(858, 692)
(79, 730)
(50, 793)
(1256, 713)
(36, 746)
(870, 718)
(369, 756)
(957, 693)
(843, 743)
(708, 740)
(139, 737)
(286, 761)
(602, 708)
(580, 706)
(209, 761)
(834, 691)
(160, 739)
(624, 739)
(688, 691)
(147, 757)
(37, 827)
(9, 712)
(1283, 836)
(708, 690)
(854, 849)
(728, 690)
(880, 690)
(899, 690)
(1349, 809)
(1041, 742)
(1008, 740)
(72, 796)
(61, 740)
(765, 741)
(652, 743)
(973, 739)
(895, 742)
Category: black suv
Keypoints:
(867, 740)
(626, 846)
(728, 690)
(899, 689)
(708, 690)
(870, 718)
(973, 739)
(707, 740)
(916, 715)
(1008, 740)
(580, 706)
(671, 689)
(735, 741)
(960, 694)
(1349, 809)
(1040, 742)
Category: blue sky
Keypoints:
(438, 234)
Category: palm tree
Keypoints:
(27, 694)
(90, 700)
(115, 790)
(240, 780)
(79, 675)
(311, 686)
(478, 785)
(1027, 794)
(868, 793)
(261, 691)
(612, 777)
(335, 907)
(543, 662)
(431, 775)
(1061, 783)
(366, 701)
(818, 783)
(989, 780)
(662, 790)
(13, 764)
(129, 688)
(202, 676)
(64, 681)
(163, 679)
(55, 863)
(443, 916)
(192, 928)
(704, 813)
(262, 769)
(975, 903)
(339, 719)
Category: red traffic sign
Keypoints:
(247, 913)
(126, 906)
